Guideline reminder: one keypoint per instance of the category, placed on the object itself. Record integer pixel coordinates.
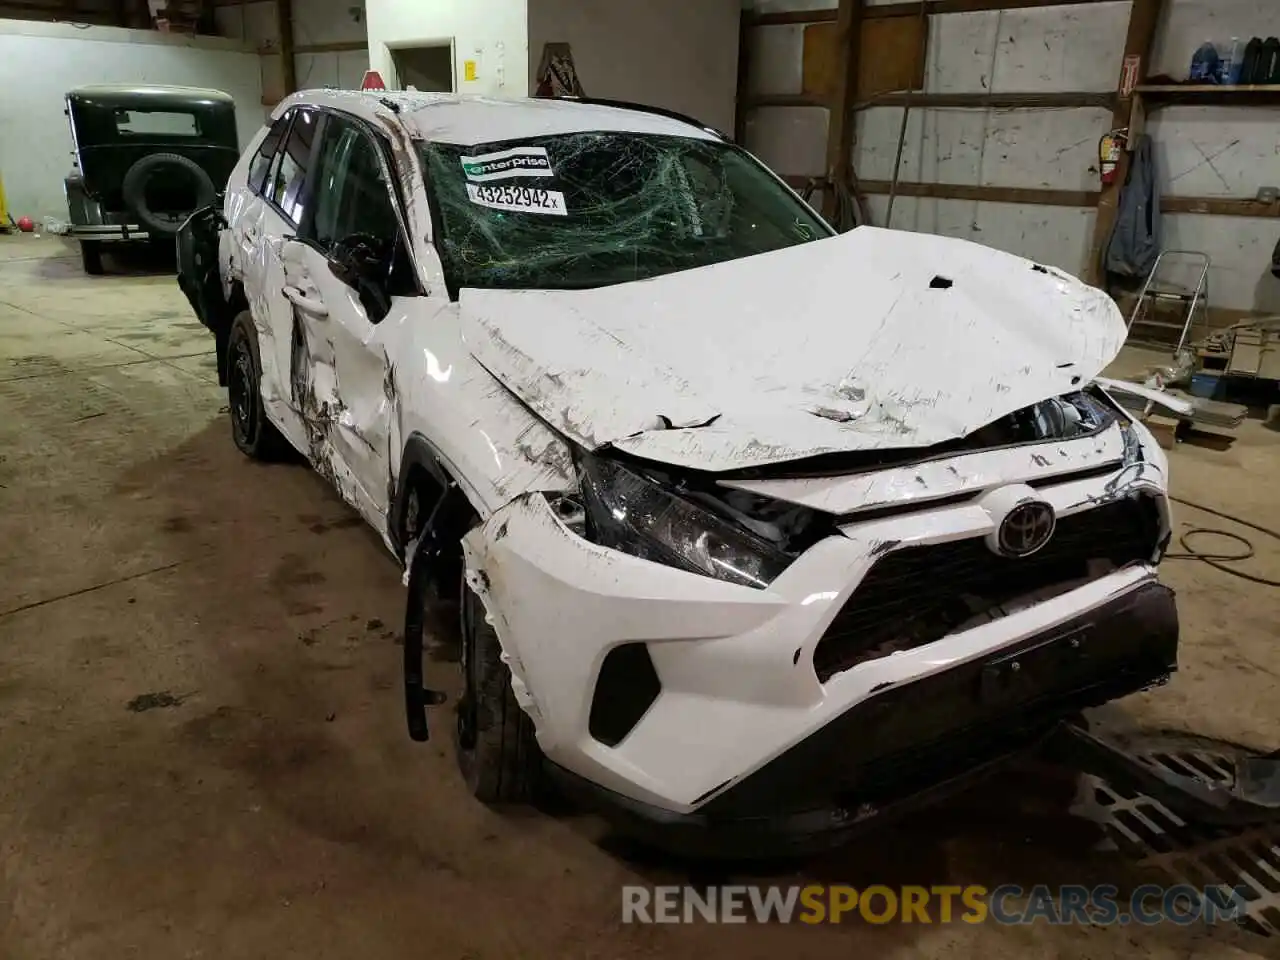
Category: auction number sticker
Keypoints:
(521, 199)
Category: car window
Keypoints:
(285, 188)
(588, 209)
(261, 164)
(351, 208)
(350, 196)
(166, 123)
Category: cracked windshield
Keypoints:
(591, 209)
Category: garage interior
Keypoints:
(202, 748)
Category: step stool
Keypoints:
(1159, 289)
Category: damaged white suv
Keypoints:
(758, 530)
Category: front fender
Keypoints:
(82, 209)
(459, 423)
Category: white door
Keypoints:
(277, 179)
(344, 274)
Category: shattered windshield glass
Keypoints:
(591, 209)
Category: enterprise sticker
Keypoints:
(522, 199)
(505, 164)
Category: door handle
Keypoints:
(307, 304)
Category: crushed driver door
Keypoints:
(337, 370)
(344, 309)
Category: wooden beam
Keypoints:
(1034, 196)
(908, 9)
(788, 17)
(911, 9)
(840, 119)
(1037, 196)
(784, 100)
(963, 191)
(45, 13)
(284, 28)
(51, 8)
(744, 74)
(1144, 17)
(343, 46)
(998, 101)
(1219, 207)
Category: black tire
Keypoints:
(91, 257)
(494, 739)
(134, 189)
(255, 435)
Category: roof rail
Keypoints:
(645, 108)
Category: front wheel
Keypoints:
(255, 435)
(496, 748)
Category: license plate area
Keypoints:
(1034, 671)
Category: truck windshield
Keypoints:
(591, 209)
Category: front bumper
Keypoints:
(738, 688)
(913, 743)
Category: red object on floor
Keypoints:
(26, 224)
(372, 81)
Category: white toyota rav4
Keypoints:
(757, 530)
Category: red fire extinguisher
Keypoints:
(1109, 149)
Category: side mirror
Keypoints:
(345, 272)
(356, 258)
(363, 263)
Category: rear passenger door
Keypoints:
(344, 274)
(278, 184)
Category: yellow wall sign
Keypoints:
(469, 71)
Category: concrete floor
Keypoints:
(274, 806)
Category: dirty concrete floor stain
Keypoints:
(279, 810)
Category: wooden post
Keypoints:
(744, 71)
(1144, 17)
(843, 96)
(284, 26)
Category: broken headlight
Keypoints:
(631, 513)
(1132, 442)
(1130, 429)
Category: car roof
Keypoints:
(468, 119)
(148, 91)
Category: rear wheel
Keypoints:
(496, 748)
(91, 257)
(255, 435)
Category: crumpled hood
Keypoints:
(874, 339)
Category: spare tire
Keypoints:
(134, 188)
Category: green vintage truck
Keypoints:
(145, 158)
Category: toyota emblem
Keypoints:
(1026, 529)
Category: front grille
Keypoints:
(917, 595)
